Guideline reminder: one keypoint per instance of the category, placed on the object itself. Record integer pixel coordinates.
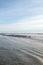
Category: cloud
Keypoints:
(36, 23)
(21, 8)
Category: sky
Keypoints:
(21, 16)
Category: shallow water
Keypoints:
(20, 51)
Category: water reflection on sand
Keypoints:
(20, 51)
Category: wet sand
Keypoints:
(21, 51)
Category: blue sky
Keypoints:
(21, 15)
